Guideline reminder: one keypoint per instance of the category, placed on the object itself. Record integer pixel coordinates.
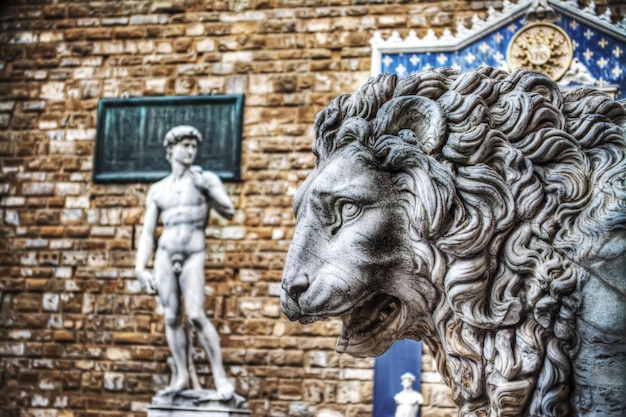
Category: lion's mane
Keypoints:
(508, 181)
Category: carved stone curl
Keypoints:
(484, 214)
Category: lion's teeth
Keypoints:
(309, 320)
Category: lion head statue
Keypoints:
(483, 213)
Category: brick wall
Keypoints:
(78, 338)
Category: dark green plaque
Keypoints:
(130, 131)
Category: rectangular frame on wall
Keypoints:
(130, 132)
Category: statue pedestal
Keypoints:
(197, 403)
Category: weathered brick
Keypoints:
(36, 188)
(114, 381)
(174, 6)
(114, 21)
(128, 32)
(150, 19)
(27, 302)
(98, 33)
(108, 48)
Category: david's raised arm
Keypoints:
(220, 201)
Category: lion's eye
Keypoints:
(345, 211)
(349, 211)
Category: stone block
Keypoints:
(53, 90)
(108, 48)
(155, 86)
(38, 188)
(27, 302)
(205, 45)
(137, 384)
(300, 409)
(348, 392)
(75, 231)
(131, 338)
(97, 33)
(24, 37)
(183, 86)
(63, 335)
(289, 390)
(38, 400)
(439, 412)
(9, 218)
(114, 381)
(92, 380)
(118, 354)
(50, 302)
(71, 303)
(68, 189)
(71, 216)
(114, 21)
(128, 32)
(174, 6)
(182, 44)
(198, 29)
(437, 395)
(149, 19)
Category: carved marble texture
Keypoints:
(484, 214)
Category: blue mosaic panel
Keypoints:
(602, 54)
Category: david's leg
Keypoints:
(193, 375)
(192, 286)
(169, 295)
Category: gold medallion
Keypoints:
(542, 47)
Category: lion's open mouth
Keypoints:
(366, 323)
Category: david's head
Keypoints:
(181, 144)
(407, 380)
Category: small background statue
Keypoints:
(183, 200)
(408, 400)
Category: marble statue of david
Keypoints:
(408, 400)
(183, 200)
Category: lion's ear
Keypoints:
(418, 114)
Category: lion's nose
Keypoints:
(295, 287)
